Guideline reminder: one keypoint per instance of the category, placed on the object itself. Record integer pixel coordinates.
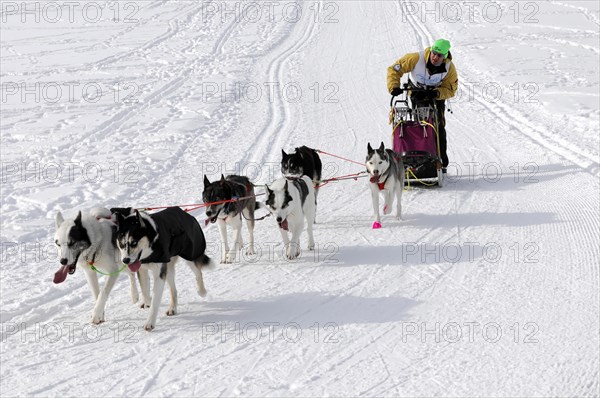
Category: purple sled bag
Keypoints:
(412, 136)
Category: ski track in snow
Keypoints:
(351, 299)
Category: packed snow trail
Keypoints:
(486, 287)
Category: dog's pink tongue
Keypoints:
(61, 274)
(134, 267)
(284, 225)
(374, 179)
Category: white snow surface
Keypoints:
(486, 287)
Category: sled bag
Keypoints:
(413, 136)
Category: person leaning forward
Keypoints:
(431, 68)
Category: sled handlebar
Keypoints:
(407, 88)
(412, 87)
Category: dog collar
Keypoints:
(91, 264)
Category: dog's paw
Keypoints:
(376, 225)
(148, 327)
(250, 251)
(97, 319)
(144, 305)
(292, 252)
(171, 312)
(230, 258)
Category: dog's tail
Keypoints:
(100, 212)
(202, 262)
(205, 262)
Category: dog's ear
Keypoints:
(140, 219)
(283, 154)
(124, 211)
(119, 213)
(78, 218)
(369, 148)
(222, 178)
(117, 217)
(382, 146)
(206, 182)
(59, 219)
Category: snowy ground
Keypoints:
(487, 287)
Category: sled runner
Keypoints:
(415, 139)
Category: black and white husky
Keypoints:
(155, 242)
(225, 212)
(386, 171)
(291, 201)
(88, 240)
(304, 161)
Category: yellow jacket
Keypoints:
(448, 86)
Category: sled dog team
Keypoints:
(123, 239)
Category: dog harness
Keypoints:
(380, 184)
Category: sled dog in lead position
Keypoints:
(291, 201)
(155, 242)
(241, 191)
(386, 172)
(89, 240)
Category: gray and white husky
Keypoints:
(386, 172)
(228, 200)
(291, 201)
(155, 242)
(88, 241)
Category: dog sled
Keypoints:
(415, 139)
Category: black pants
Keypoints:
(441, 110)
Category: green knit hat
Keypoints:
(441, 46)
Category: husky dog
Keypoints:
(155, 242)
(230, 213)
(291, 201)
(386, 170)
(88, 241)
(305, 161)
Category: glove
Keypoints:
(425, 95)
(418, 95)
(432, 94)
(396, 91)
